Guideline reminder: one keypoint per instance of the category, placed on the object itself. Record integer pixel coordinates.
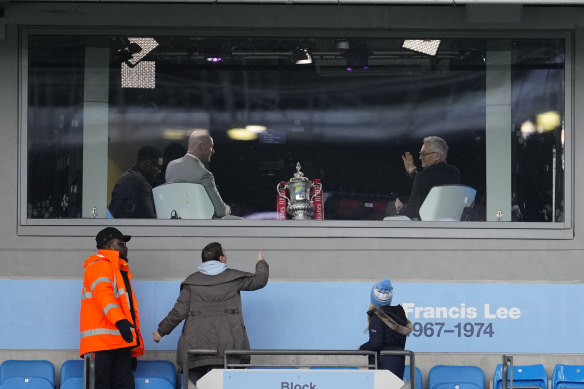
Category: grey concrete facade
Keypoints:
(346, 252)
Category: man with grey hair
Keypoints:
(435, 171)
(193, 168)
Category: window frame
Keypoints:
(303, 228)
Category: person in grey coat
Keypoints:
(192, 167)
(210, 302)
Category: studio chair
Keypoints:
(418, 377)
(443, 203)
(456, 377)
(72, 374)
(155, 375)
(182, 200)
(447, 202)
(568, 377)
(35, 374)
(524, 376)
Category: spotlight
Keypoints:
(214, 52)
(357, 58)
(301, 56)
(426, 46)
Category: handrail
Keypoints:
(507, 362)
(412, 357)
(89, 371)
(298, 352)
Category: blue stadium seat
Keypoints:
(568, 377)
(153, 383)
(456, 377)
(418, 377)
(523, 376)
(72, 374)
(151, 374)
(35, 374)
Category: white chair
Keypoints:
(447, 202)
(443, 203)
(182, 200)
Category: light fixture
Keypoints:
(301, 56)
(214, 51)
(548, 121)
(357, 58)
(256, 128)
(424, 46)
(241, 134)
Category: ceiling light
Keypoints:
(357, 58)
(241, 134)
(425, 46)
(256, 128)
(548, 121)
(301, 56)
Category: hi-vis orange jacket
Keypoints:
(104, 301)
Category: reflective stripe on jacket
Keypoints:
(104, 301)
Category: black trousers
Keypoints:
(113, 369)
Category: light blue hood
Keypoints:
(212, 268)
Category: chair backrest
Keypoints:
(523, 376)
(568, 376)
(72, 374)
(418, 377)
(149, 370)
(35, 374)
(456, 377)
(189, 201)
(447, 202)
(22, 370)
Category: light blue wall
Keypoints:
(474, 318)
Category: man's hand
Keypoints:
(408, 162)
(260, 256)
(124, 328)
(156, 336)
(398, 205)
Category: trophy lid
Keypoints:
(299, 176)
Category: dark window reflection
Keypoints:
(348, 128)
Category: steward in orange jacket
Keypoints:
(105, 301)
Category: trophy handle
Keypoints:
(317, 189)
(280, 191)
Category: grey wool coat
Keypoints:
(211, 306)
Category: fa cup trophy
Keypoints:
(302, 193)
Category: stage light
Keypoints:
(425, 46)
(301, 56)
(357, 58)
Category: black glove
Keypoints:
(134, 363)
(124, 328)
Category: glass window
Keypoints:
(345, 110)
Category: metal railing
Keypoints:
(285, 352)
(89, 371)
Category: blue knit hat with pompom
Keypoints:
(381, 293)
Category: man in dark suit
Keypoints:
(193, 168)
(435, 171)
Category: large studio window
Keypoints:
(346, 109)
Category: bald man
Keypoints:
(193, 168)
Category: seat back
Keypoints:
(155, 371)
(189, 201)
(72, 374)
(456, 377)
(523, 376)
(418, 377)
(447, 202)
(568, 376)
(26, 370)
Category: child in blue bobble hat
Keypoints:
(388, 329)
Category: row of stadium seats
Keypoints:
(525, 376)
(40, 374)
